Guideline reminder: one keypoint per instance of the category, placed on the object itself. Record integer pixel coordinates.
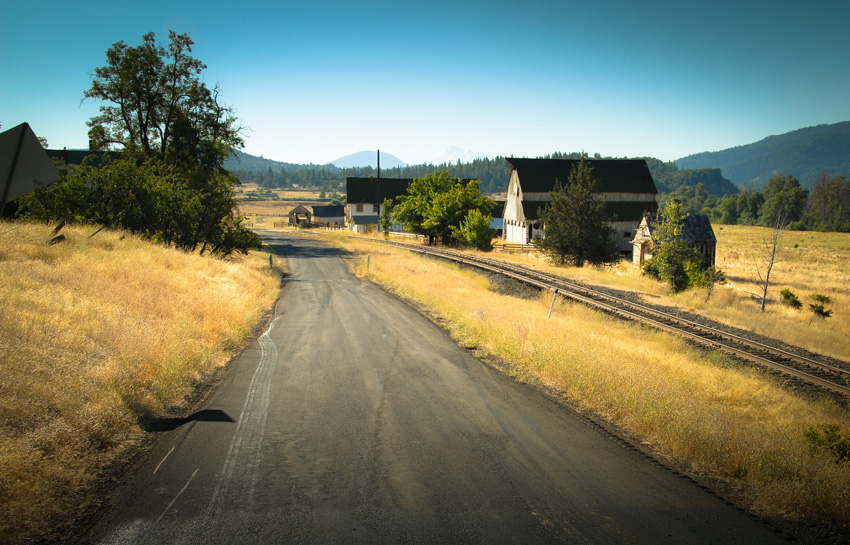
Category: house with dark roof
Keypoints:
(364, 197)
(696, 231)
(329, 215)
(626, 184)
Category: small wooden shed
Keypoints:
(696, 231)
(300, 216)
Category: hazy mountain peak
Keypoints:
(368, 159)
(454, 153)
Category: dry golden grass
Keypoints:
(717, 419)
(808, 263)
(97, 333)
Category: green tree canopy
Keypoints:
(475, 230)
(436, 203)
(784, 201)
(576, 226)
(154, 100)
(830, 204)
(170, 183)
(673, 260)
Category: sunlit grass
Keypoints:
(693, 408)
(98, 333)
(808, 263)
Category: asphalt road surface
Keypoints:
(353, 419)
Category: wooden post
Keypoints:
(552, 305)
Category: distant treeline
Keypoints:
(783, 201)
(492, 173)
(825, 208)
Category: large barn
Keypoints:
(627, 185)
(365, 195)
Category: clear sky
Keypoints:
(312, 81)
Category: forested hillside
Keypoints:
(806, 154)
(492, 173)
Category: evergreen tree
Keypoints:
(576, 226)
(386, 220)
(673, 260)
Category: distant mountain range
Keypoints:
(453, 154)
(805, 154)
(368, 159)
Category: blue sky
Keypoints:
(312, 81)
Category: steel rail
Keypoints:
(632, 311)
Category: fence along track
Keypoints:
(801, 367)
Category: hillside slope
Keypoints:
(805, 153)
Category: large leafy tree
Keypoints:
(174, 135)
(576, 226)
(154, 99)
(475, 230)
(785, 199)
(437, 203)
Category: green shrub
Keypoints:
(790, 299)
(828, 437)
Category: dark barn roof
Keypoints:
(328, 211)
(365, 220)
(631, 210)
(365, 190)
(615, 175)
(697, 228)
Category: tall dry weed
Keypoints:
(97, 333)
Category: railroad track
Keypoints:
(826, 376)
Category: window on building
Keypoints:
(358, 207)
(627, 234)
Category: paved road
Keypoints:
(355, 420)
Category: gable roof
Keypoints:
(300, 210)
(695, 228)
(365, 190)
(614, 175)
(328, 211)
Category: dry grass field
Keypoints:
(98, 335)
(731, 426)
(264, 214)
(808, 263)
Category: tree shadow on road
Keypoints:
(154, 424)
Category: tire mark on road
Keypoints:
(243, 458)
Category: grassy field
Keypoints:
(731, 426)
(99, 335)
(263, 214)
(808, 263)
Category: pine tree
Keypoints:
(576, 226)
